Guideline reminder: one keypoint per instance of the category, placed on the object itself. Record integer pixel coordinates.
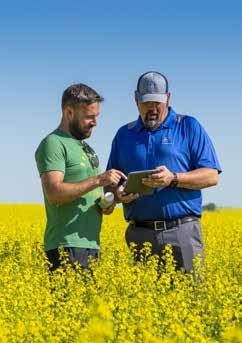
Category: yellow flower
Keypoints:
(118, 300)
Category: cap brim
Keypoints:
(153, 97)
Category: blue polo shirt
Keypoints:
(181, 144)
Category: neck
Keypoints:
(64, 126)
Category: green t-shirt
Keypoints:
(77, 223)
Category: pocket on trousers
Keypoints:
(196, 236)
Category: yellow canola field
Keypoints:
(119, 300)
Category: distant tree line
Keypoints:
(209, 207)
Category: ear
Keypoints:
(168, 98)
(69, 113)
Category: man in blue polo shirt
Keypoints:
(179, 148)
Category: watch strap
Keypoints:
(175, 181)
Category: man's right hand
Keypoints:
(111, 178)
(124, 197)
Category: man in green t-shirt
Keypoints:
(72, 181)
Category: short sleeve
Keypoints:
(50, 155)
(203, 154)
(113, 157)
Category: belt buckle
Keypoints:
(157, 222)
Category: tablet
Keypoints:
(134, 183)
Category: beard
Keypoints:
(152, 120)
(78, 132)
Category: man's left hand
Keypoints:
(162, 178)
(109, 210)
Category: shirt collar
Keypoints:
(168, 122)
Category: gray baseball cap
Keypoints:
(152, 86)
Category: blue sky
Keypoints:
(48, 45)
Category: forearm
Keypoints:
(63, 192)
(198, 179)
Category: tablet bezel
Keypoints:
(134, 182)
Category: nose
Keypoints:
(94, 122)
(152, 106)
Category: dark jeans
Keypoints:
(80, 255)
(185, 239)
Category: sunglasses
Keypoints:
(91, 155)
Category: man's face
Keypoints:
(153, 113)
(82, 119)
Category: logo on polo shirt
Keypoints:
(83, 161)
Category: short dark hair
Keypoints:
(79, 94)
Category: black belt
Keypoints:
(162, 225)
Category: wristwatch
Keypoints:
(175, 181)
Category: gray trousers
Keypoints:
(185, 239)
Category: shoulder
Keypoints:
(188, 121)
(185, 119)
(51, 142)
(131, 124)
(125, 129)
